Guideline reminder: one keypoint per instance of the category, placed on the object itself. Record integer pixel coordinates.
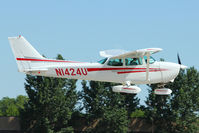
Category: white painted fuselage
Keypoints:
(159, 72)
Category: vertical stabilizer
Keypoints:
(22, 49)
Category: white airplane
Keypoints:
(135, 67)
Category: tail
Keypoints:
(22, 51)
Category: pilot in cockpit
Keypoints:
(134, 61)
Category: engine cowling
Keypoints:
(126, 89)
(163, 91)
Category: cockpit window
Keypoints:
(133, 61)
(103, 61)
(151, 59)
(115, 62)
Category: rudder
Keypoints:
(22, 49)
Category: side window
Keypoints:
(133, 61)
(151, 60)
(115, 62)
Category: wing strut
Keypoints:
(147, 66)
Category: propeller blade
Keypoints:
(183, 67)
(179, 61)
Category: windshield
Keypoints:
(102, 61)
(151, 60)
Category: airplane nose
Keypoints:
(172, 71)
(183, 67)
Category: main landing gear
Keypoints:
(132, 89)
(162, 90)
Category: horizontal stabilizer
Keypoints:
(35, 70)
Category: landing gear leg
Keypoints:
(161, 85)
(128, 83)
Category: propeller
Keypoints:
(179, 62)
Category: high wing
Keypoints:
(126, 54)
(115, 54)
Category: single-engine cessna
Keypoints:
(125, 67)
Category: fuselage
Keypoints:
(159, 72)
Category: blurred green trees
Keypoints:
(178, 112)
(110, 109)
(50, 106)
(12, 106)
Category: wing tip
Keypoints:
(154, 49)
(16, 37)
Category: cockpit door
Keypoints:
(135, 70)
